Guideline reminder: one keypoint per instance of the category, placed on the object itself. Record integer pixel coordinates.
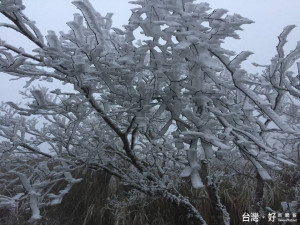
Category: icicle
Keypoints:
(196, 180)
(39, 97)
(186, 172)
(53, 40)
(236, 62)
(263, 173)
(94, 19)
(108, 20)
(283, 39)
(208, 150)
(17, 62)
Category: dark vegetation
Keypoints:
(100, 199)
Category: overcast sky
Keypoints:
(270, 17)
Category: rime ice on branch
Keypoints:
(173, 104)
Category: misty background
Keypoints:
(261, 37)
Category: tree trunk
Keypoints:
(192, 213)
(259, 194)
(222, 216)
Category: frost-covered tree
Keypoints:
(144, 111)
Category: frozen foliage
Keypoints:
(144, 111)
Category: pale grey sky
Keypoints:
(270, 17)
